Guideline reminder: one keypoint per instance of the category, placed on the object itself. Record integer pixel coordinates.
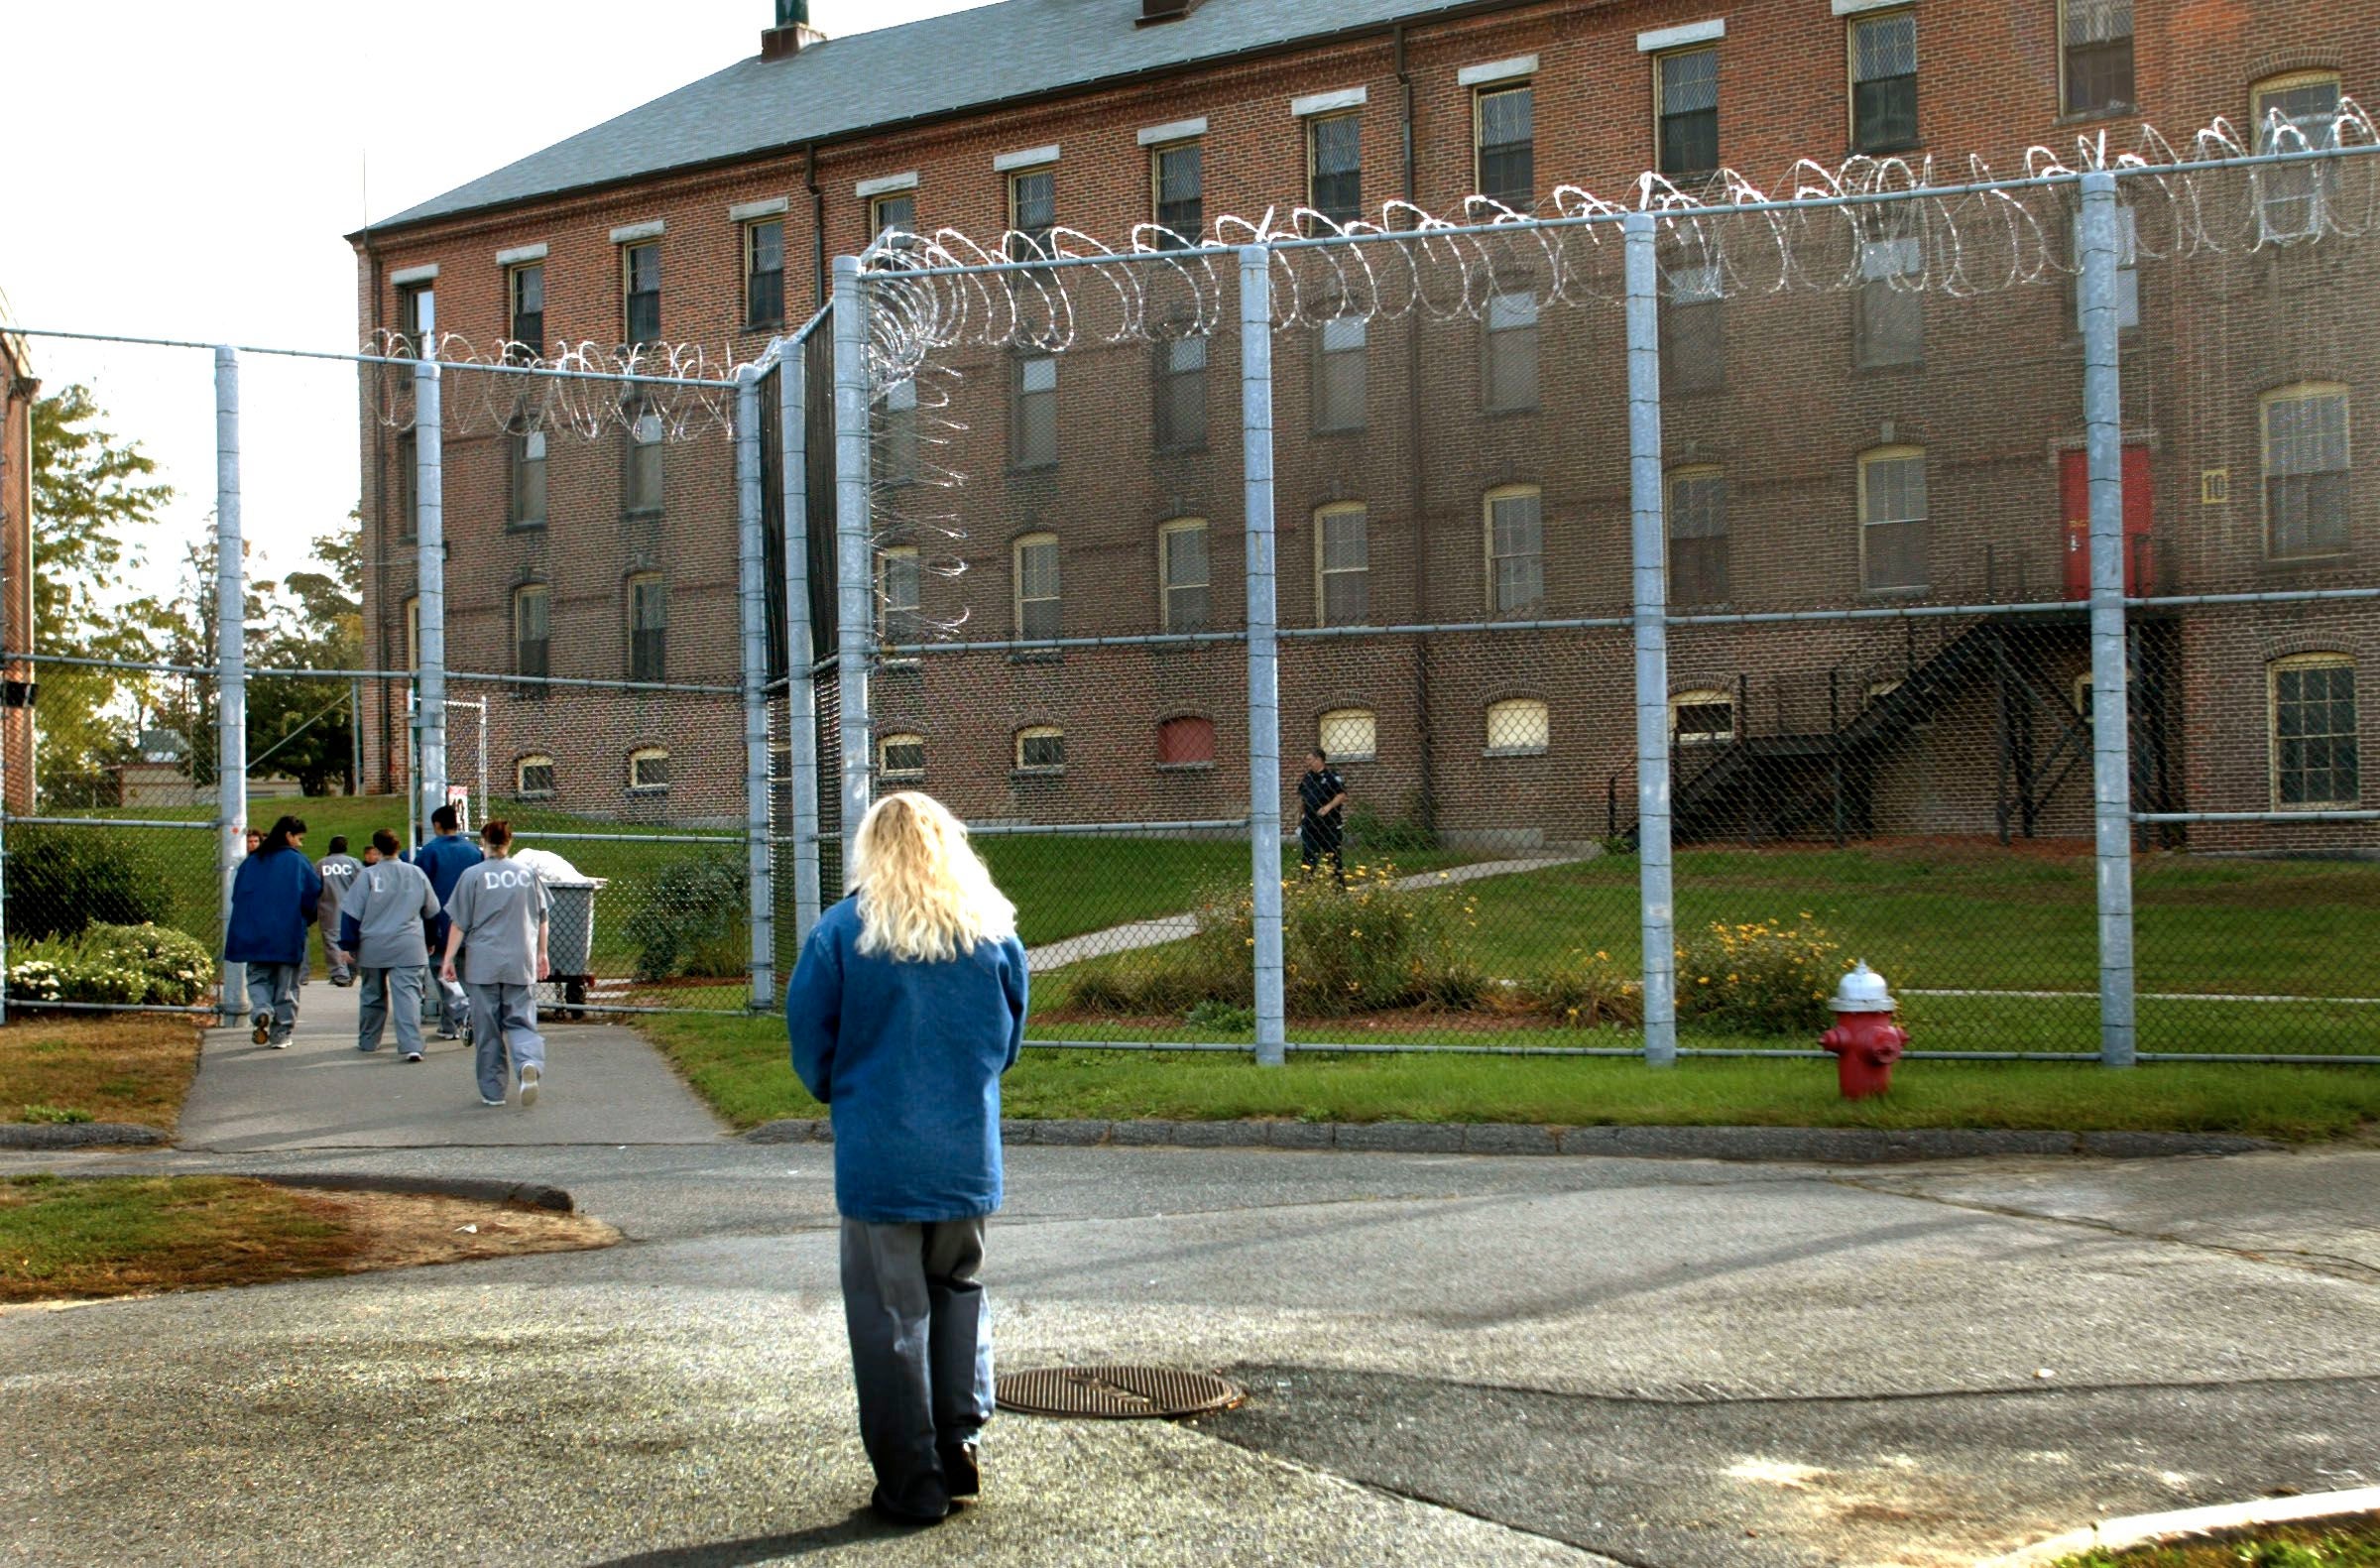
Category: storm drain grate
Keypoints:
(1115, 1393)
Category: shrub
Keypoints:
(60, 880)
(1221, 1017)
(111, 965)
(174, 966)
(1761, 977)
(1587, 991)
(1370, 833)
(693, 921)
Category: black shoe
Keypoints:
(925, 1512)
(961, 1469)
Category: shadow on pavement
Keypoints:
(860, 1525)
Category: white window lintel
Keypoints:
(765, 207)
(886, 185)
(1679, 37)
(519, 255)
(630, 233)
(404, 276)
(1172, 131)
(1855, 7)
(1329, 102)
(1497, 70)
(1027, 157)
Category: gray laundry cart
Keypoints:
(571, 934)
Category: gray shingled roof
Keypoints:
(968, 58)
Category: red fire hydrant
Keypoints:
(1864, 1040)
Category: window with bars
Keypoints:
(1338, 374)
(532, 634)
(648, 770)
(2306, 467)
(526, 507)
(1892, 518)
(1686, 93)
(1181, 394)
(524, 288)
(1509, 334)
(647, 627)
(641, 277)
(1697, 535)
(1515, 550)
(1033, 212)
(1348, 735)
(765, 273)
(1178, 184)
(895, 214)
(1034, 419)
(897, 440)
(1036, 559)
(416, 317)
(1891, 304)
(1186, 740)
(643, 488)
(1503, 125)
(1335, 167)
(1702, 718)
(899, 594)
(2095, 54)
(1884, 82)
(1342, 565)
(2297, 114)
(2314, 740)
(901, 759)
(1694, 330)
(1519, 727)
(533, 778)
(1183, 574)
(1041, 748)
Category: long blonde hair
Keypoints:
(925, 892)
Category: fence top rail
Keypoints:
(206, 824)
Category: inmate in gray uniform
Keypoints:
(338, 874)
(500, 910)
(385, 907)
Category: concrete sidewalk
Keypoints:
(603, 1085)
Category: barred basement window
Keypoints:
(2095, 66)
(643, 488)
(1518, 727)
(532, 633)
(1041, 748)
(1516, 549)
(1177, 180)
(1348, 735)
(1183, 574)
(525, 287)
(1033, 416)
(901, 759)
(533, 778)
(1697, 535)
(1685, 105)
(1036, 578)
(1892, 518)
(765, 273)
(1510, 335)
(647, 627)
(1342, 565)
(1702, 718)
(1504, 132)
(2315, 732)
(1338, 374)
(641, 284)
(1182, 394)
(1335, 167)
(527, 487)
(1186, 741)
(648, 770)
(2296, 114)
(1884, 82)
(894, 216)
(2306, 471)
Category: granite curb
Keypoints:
(1842, 1146)
(81, 1135)
(525, 1194)
(2186, 1525)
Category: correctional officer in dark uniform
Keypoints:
(1322, 821)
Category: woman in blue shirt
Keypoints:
(273, 898)
(904, 1010)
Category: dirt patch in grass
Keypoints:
(2350, 1544)
(135, 1067)
(69, 1239)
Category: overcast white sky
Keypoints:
(186, 172)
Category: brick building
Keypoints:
(1858, 447)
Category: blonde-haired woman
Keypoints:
(906, 1007)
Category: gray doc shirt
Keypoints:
(389, 902)
(499, 908)
(338, 876)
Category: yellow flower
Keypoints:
(1601, 955)
(1706, 980)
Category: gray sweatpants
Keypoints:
(390, 993)
(273, 991)
(504, 1017)
(920, 1347)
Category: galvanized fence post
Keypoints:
(854, 554)
(231, 661)
(1264, 667)
(1650, 572)
(2110, 722)
(801, 696)
(429, 523)
(751, 584)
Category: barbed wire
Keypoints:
(485, 389)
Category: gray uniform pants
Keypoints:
(390, 993)
(504, 1017)
(340, 970)
(272, 990)
(437, 1003)
(920, 1347)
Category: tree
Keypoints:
(299, 726)
(91, 490)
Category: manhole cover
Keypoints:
(1115, 1393)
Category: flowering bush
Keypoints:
(1760, 978)
(1585, 990)
(118, 965)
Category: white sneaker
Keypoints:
(413, 1055)
(484, 1100)
(528, 1084)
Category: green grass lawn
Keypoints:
(2350, 1544)
(128, 1234)
(740, 1066)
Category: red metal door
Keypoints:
(2074, 492)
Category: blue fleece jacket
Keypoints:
(907, 1058)
(444, 860)
(273, 898)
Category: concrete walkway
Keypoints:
(1173, 927)
(603, 1085)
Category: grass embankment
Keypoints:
(2352, 1545)
(134, 1235)
(132, 1067)
(740, 1066)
